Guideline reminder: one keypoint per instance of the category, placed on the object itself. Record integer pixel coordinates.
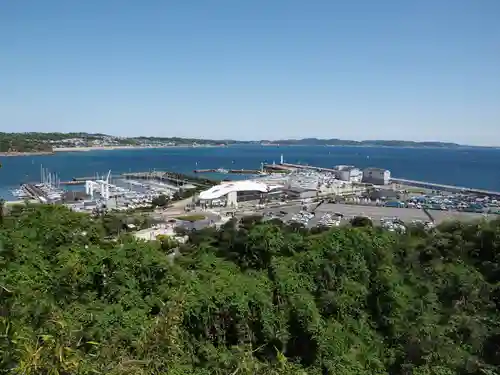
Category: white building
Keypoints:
(376, 176)
(231, 193)
(151, 234)
(349, 173)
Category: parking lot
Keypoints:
(376, 213)
(350, 211)
(291, 212)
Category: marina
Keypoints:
(118, 192)
(472, 168)
(273, 183)
(144, 186)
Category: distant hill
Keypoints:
(342, 142)
(37, 141)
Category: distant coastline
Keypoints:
(133, 147)
(98, 148)
(140, 147)
(26, 144)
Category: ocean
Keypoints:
(467, 167)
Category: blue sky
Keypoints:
(253, 69)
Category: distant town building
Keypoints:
(376, 176)
(348, 173)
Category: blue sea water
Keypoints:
(468, 167)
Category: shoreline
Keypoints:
(34, 153)
(136, 147)
(108, 148)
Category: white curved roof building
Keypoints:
(225, 188)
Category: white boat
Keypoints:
(19, 193)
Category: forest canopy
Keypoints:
(23, 142)
(252, 298)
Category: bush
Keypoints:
(361, 221)
(160, 201)
(260, 299)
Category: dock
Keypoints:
(172, 177)
(73, 182)
(178, 179)
(34, 192)
(91, 178)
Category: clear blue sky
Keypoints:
(253, 69)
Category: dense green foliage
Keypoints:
(253, 298)
(23, 142)
(160, 201)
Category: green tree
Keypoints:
(2, 210)
(252, 298)
(160, 201)
(361, 221)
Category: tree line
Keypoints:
(254, 297)
(19, 142)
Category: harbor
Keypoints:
(272, 183)
(126, 191)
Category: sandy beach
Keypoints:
(98, 148)
(13, 154)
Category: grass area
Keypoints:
(191, 218)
